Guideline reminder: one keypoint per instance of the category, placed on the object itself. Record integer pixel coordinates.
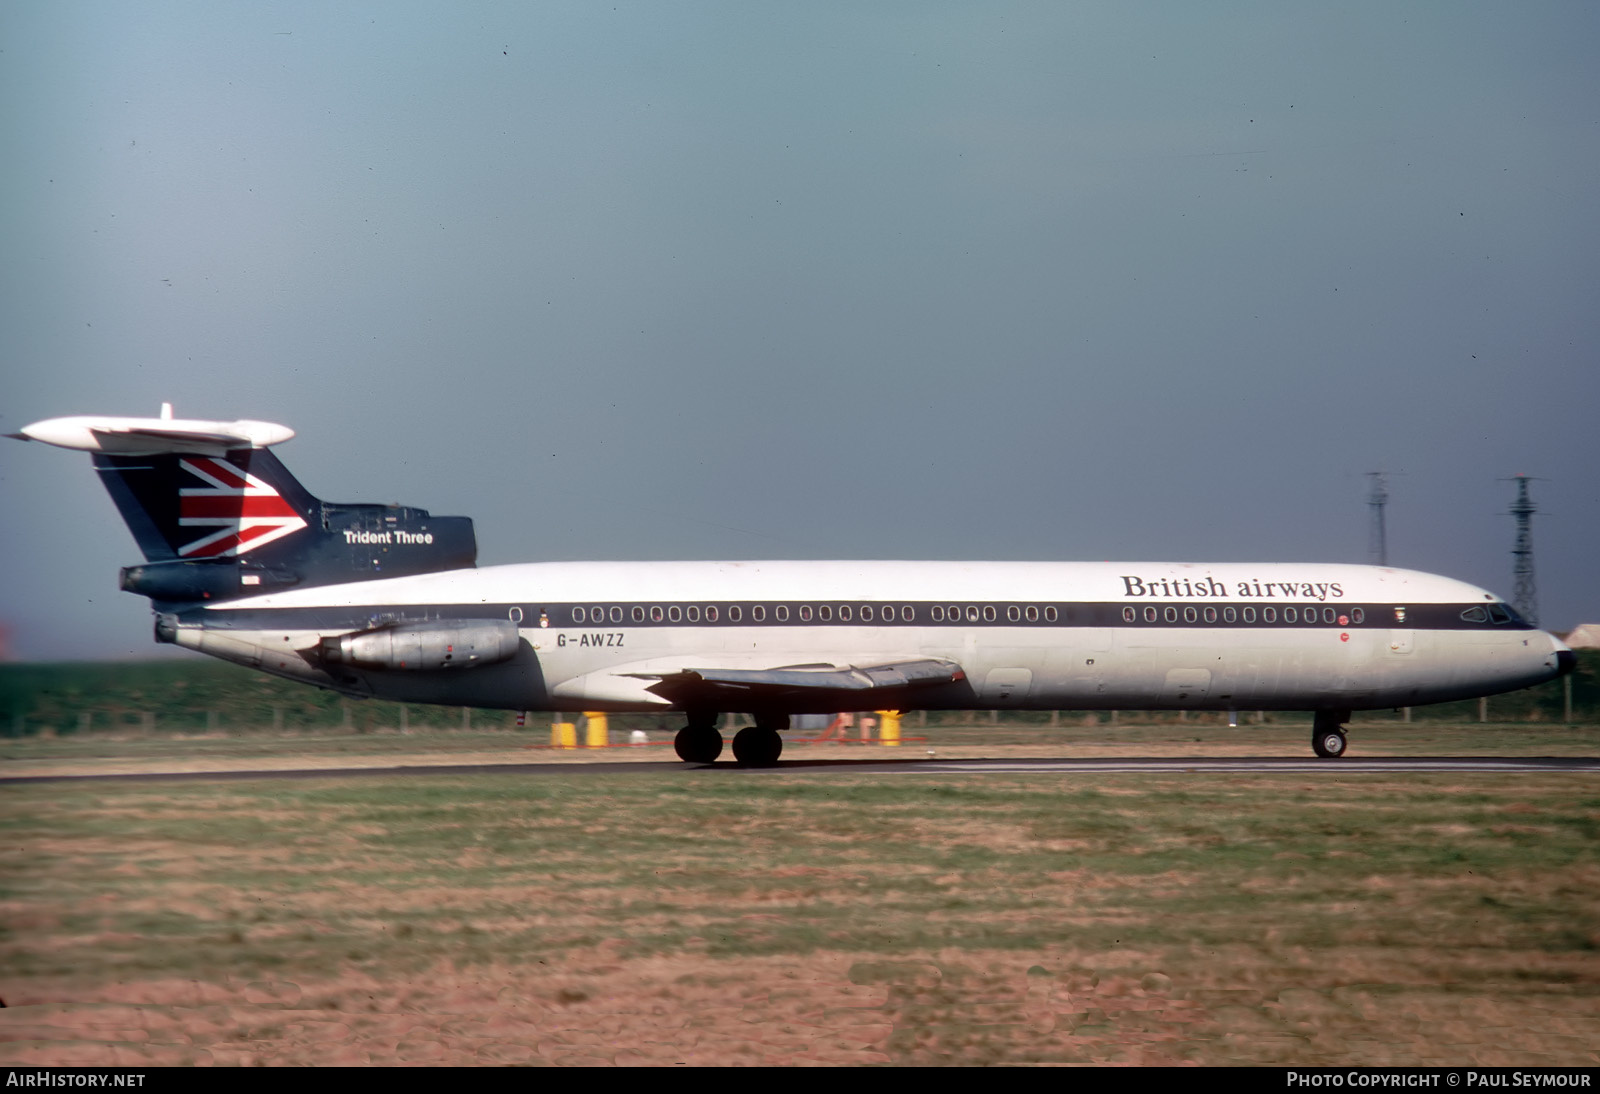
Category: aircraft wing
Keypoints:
(795, 685)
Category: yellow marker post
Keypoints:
(595, 735)
(889, 727)
(563, 735)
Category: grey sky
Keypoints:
(816, 280)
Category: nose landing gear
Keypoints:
(1327, 733)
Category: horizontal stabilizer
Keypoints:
(149, 436)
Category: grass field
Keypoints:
(715, 916)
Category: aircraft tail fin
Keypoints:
(196, 507)
(217, 516)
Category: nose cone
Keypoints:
(1561, 658)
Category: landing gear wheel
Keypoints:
(698, 744)
(1328, 743)
(1327, 733)
(755, 746)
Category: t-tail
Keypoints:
(219, 517)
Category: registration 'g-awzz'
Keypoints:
(242, 563)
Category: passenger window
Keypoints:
(1129, 615)
(988, 613)
(1357, 616)
(1290, 615)
(1249, 615)
(908, 613)
(938, 613)
(1171, 614)
(1269, 615)
(825, 613)
(1189, 615)
(1032, 613)
(866, 613)
(655, 613)
(1050, 614)
(597, 613)
(805, 613)
(637, 613)
(711, 613)
(616, 614)
(844, 613)
(782, 612)
(515, 615)
(694, 614)
(577, 615)
(1150, 615)
(972, 613)
(1014, 613)
(1329, 615)
(1229, 615)
(759, 613)
(735, 613)
(1210, 615)
(674, 613)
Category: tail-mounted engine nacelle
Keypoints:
(188, 580)
(425, 647)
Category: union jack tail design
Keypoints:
(187, 507)
(245, 511)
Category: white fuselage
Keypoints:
(1048, 635)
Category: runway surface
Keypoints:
(1230, 765)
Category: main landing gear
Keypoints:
(759, 745)
(698, 742)
(753, 746)
(1327, 733)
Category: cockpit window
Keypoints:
(1475, 615)
(1499, 613)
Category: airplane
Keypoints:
(242, 563)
